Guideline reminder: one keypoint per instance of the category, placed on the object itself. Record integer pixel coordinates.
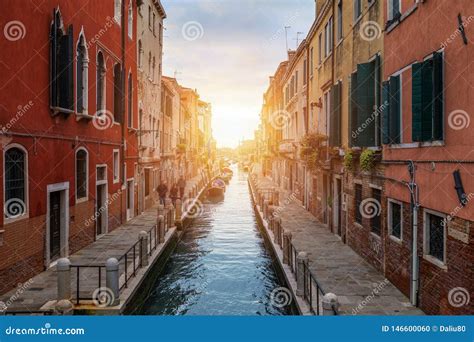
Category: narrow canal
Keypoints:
(221, 265)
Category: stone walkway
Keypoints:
(360, 288)
(42, 288)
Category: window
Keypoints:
(81, 174)
(116, 168)
(118, 11)
(296, 82)
(434, 237)
(147, 182)
(305, 71)
(357, 204)
(335, 115)
(375, 221)
(82, 78)
(320, 52)
(393, 8)
(427, 99)
(149, 64)
(357, 9)
(140, 54)
(340, 32)
(100, 83)
(161, 34)
(311, 61)
(153, 65)
(153, 24)
(118, 93)
(61, 66)
(391, 110)
(15, 173)
(149, 17)
(395, 219)
(130, 100)
(130, 20)
(328, 32)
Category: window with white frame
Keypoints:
(395, 219)
(130, 20)
(81, 174)
(393, 8)
(118, 11)
(100, 83)
(435, 235)
(320, 50)
(328, 37)
(82, 75)
(15, 173)
(311, 61)
(357, 9)
(116, 169)
(340, 32)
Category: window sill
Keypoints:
(357, 20)
(85, 116)
(395, 239)
(435, 261)
(117, 21)
(81, 200)
(405, 15)
(339, 43)
(375, 235)
(358, 225)
(435, 143)
(115, 181)
(7, 221)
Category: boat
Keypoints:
(217, 188)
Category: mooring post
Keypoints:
(64, 307)
(276, 228)
(276, 197)
(143, 236)
(330, 304)
(179, 212)
(161, 229)
(112, 280)
(63, 268)
(286, 247)
(301, 260)
(265, 209)
(171, 213)
(160, 210)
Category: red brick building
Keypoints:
(68, 117)
(428, 154)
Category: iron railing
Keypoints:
(100, 269)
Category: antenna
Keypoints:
(176, 73)
(298, 39)
(286, 36)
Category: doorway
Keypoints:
(101, 207)
(57, 222)
(338, 206)
(130, 198)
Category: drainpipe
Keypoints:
(414, 249)
(122, 159)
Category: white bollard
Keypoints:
(301, 259)
(63, 269)
(330, 304)
(161, 229)
(143, 236)
(112, 280)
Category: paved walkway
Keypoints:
(42, 288)
(361, 289)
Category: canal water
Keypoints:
(220, 266)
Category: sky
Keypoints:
(227, 50)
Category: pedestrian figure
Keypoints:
(182, 186)
(162, 191)
(174, 194)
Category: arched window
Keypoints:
(15, 173)
(81, 174)
(82, 78)
(140, 54)
(130, 20)
(118, 93)
(100, 83)
(130, 100)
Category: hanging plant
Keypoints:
(367, 160)
(309, 149)
(349, 160)
(312, 160)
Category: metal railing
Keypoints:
(76, 270)
(130, 260)
(28, 313)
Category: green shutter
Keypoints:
(365, 95)
(353, 111)
(385, 112)
(335, 119)
(378, 100)
(427, 101)
(416, 105)
(438, 94)
(394, 99)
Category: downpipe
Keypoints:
(413, 187)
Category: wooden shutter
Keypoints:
(365, 95)
(427, 101)
(417, 103)
(335, 119)
(53, 60)
(438, 94)
(353, 111)
(66, 72)
(385, 112)
(394, 117)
